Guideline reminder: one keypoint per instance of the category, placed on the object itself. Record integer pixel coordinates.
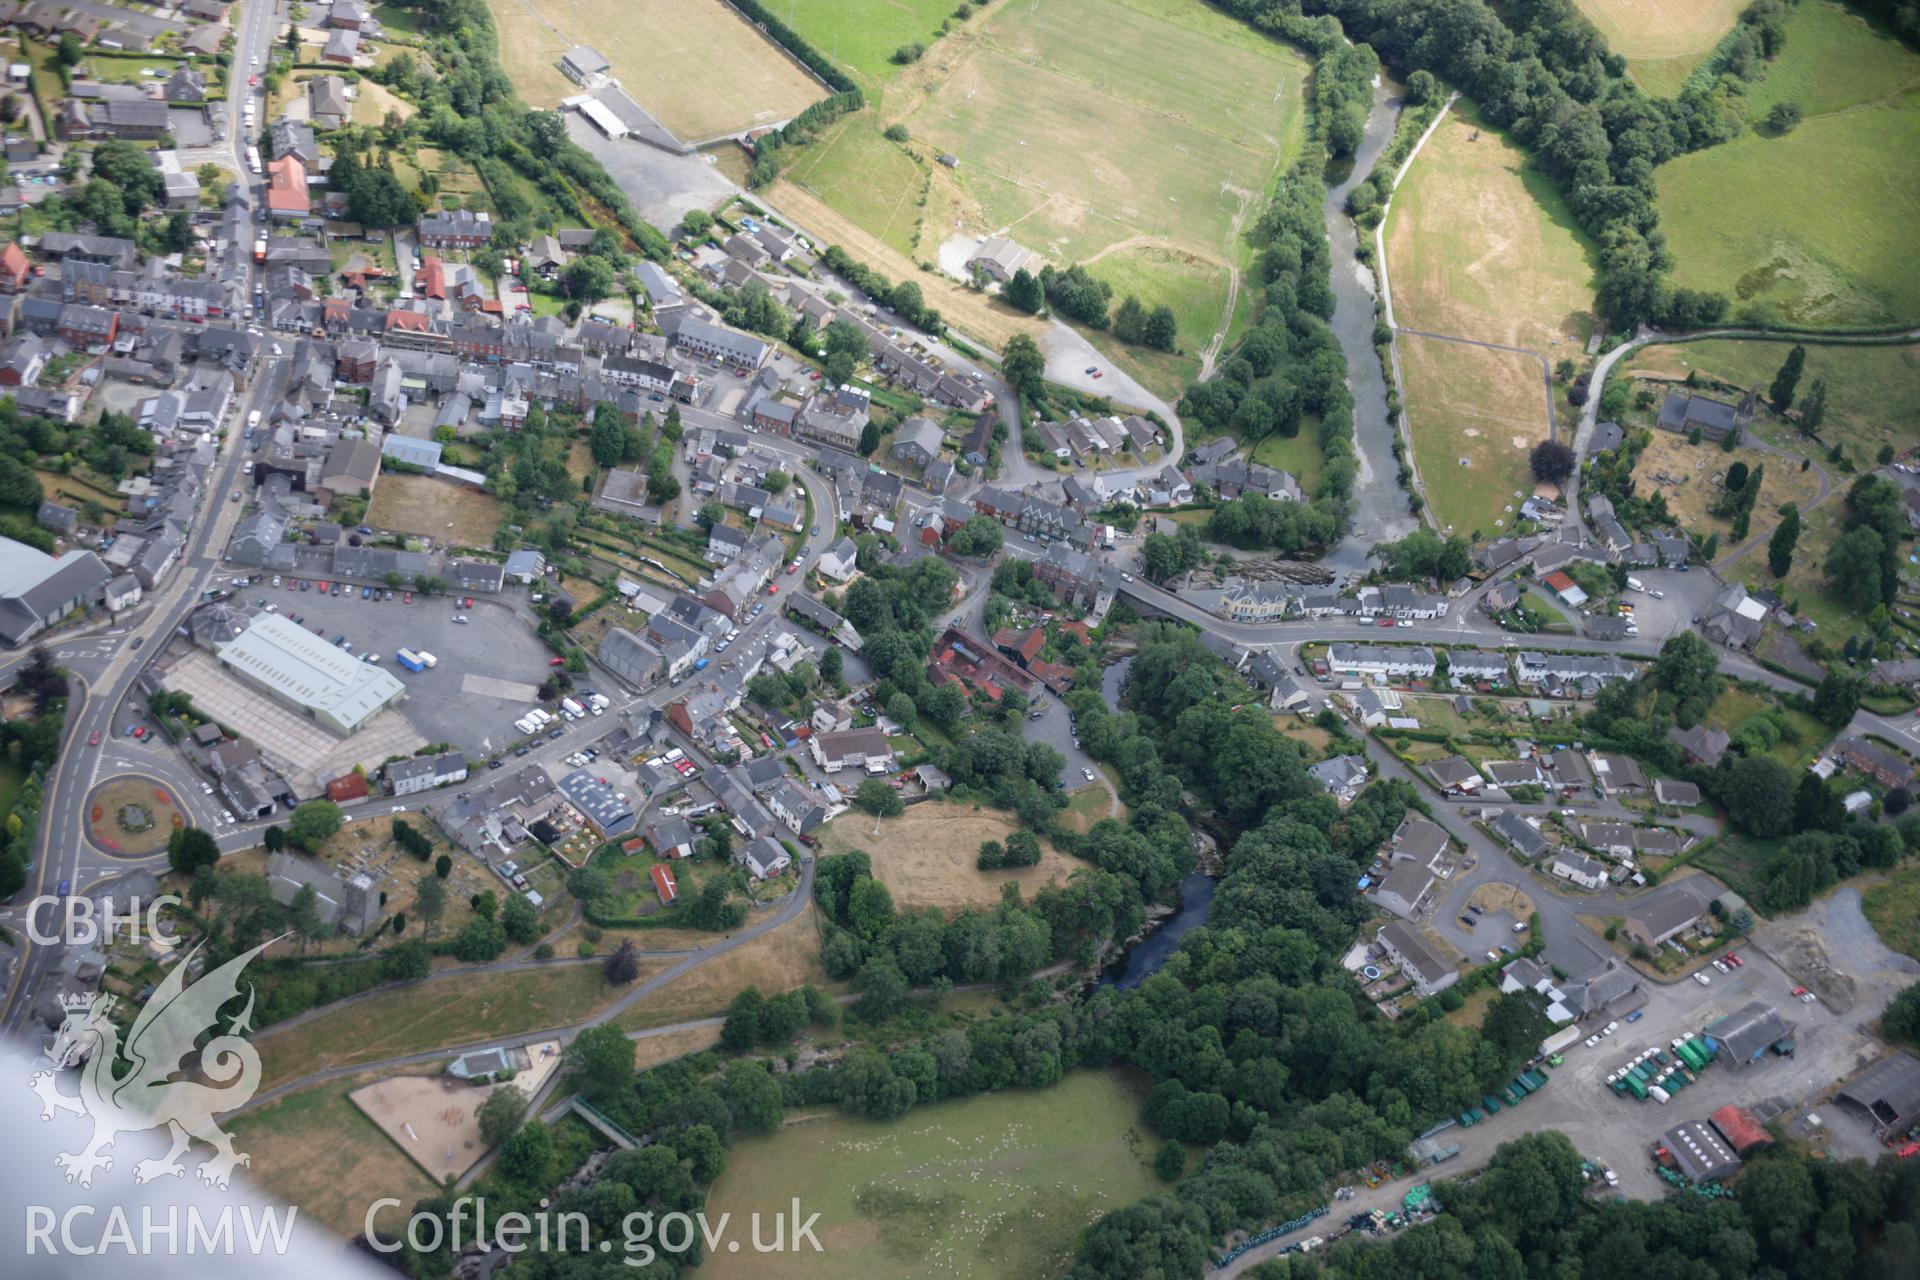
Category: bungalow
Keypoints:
(1420, 841)
(1580, 869)
(1652, 921)
(1521, 834)
(1341, 777)
(1660, 842)
(1508, 774)
(1455, 775)
(1570, 774)
(1618, 775)
(1674, 794)
(1700, 744)
(1403, 890)
(1615, 838)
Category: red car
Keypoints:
(140, 734)
(407, 598)
(93, 739)
(556, 662)
(773, 588)
(1733, 960)
(519, 288)
(1799, 991)
(793, 567)
(469, 602)
(1383, 622)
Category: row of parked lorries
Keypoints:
(1660, 1073)
(1512, 1094)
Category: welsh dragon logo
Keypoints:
(129, 1087)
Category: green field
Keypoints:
(1835, 238)
(861, 35)
(988, 1186)
(871, 180)
(1833, 59)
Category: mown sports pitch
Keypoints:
(1079, 123)
(1164, 126)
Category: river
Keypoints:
(1146, 957)
(1380, 510)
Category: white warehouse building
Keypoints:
(294, 666)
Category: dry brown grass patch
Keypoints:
(315, 1149)
(1693, 483)
(925, 856)
(776, 961)
(447, 511)
(1480, 246)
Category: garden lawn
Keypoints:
(986, 1186)
(1300, 454)
(1796, 749)
(926, 856)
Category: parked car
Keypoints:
(1702, 978)
(1636, 1015)
(1087, 774)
